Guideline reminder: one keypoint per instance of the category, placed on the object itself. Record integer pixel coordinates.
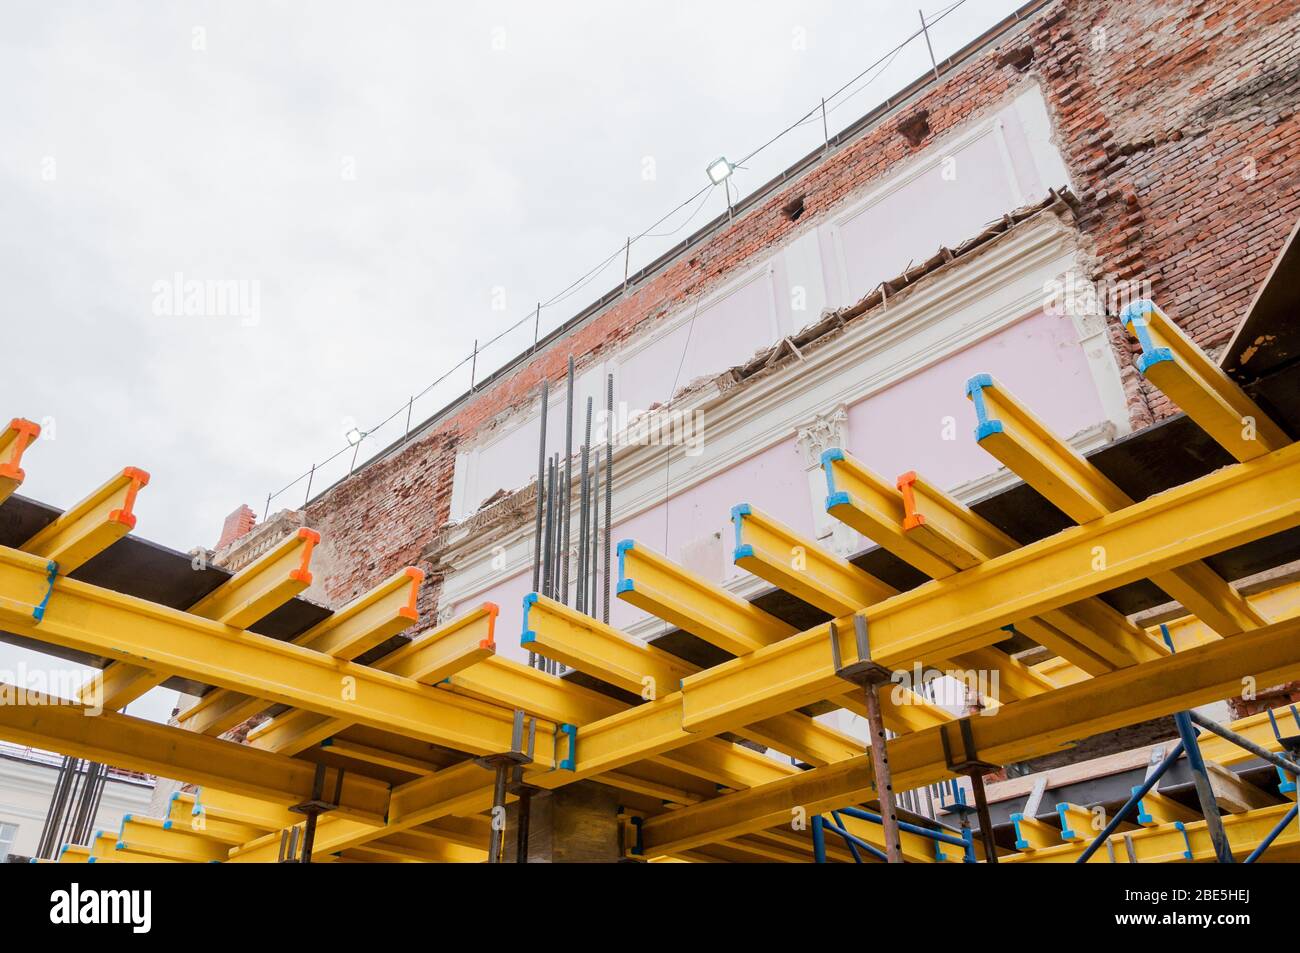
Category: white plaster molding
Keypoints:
(981, 295)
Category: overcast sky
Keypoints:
(385, 181)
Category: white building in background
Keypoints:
(27, 780)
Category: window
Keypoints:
(8, 834)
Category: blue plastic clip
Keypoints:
(52, 570)
(1187, 854)
(569, 763)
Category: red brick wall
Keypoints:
(1157, 118)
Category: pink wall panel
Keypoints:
(1039, 359)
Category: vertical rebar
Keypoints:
(593, 560)
(541, 480)
(548, 567)
(584, 490)
(566, 508)
(609, 484)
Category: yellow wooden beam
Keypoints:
(14, 440)
(1183, 372)
(243, 599)
(1024, 444)
(92, 525)
(427, 660)
(101, 622)
(1020, 730)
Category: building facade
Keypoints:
(27, 782)
(992, 219)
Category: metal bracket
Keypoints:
(517, 754)
(863, 672)
(969, 760)
(316, 804)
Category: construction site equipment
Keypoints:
(415, 754)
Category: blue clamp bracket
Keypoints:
(1187, 854)
(1143, 816)
(834, 497)
(528, 635)
(1067, 833)
(984, 427)
(52, 571)
(624, 584)
(1134, 316)
(569, 763)
(1021, 843)
(738, 514)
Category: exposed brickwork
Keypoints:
(1177, 121)
(237, 525)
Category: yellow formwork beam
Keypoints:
(427, 660)
(91, 526)
(1155, 809)
(1181, 841)
(589, 645)
(427, 848)
(14, 441)
(463, 789)
(950, 527)
(101, 622)
(1183, 372)
(73, 854)
(253, 812)
(43, 721)
(1033, 834)
(243, 599)
(703, 609)
(652, 583)
(800, 566)
(926, 528)
(833, 584)
(1025, 445)
(104, 850)
(184, 814)
(558, 700)
(860, 499)
(367, 621)
(266, 584)
(159, 838)
(1227, 508)
(1020, 730)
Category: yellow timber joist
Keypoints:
(803, 568)
(1027, 447)
(1186, 375)
(14, 441)
(1224, 509)
(367, 621)
(106, 623)
(242, 600)
(1020, 730)
(938, 536)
